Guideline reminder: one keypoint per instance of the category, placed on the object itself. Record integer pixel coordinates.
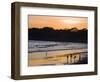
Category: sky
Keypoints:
(57, 22)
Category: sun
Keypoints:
(70, 21)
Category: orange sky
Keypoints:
(57, 22)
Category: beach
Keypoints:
(41, 53)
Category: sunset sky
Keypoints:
(57, 22)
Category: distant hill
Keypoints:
(62, 35)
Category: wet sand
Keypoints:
(58, 57)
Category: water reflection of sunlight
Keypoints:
(56, 60)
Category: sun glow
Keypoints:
(57, 22)
(70, 21)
